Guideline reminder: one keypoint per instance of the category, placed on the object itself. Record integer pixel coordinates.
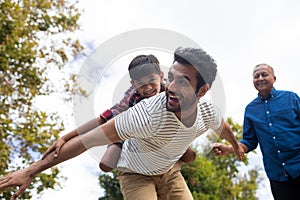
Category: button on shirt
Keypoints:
(274, 123)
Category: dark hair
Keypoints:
(201, 61)
(143, 65)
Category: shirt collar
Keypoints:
(271, 95)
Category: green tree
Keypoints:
(35, 39)
(219, 177)
(208, 177)
(111, 186)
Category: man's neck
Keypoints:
(188, 117)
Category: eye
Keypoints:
(265, 75)
(138, 83)
(152, 80)
(183, 82)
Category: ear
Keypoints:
(203, 89)
(162, 76)
(133, 84)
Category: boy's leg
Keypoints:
(111, 156)
(188, 156)
(137, 186)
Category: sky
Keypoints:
(237, 34)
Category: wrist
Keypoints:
(33, 169)
(231, 149)
(234, 145)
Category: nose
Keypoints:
(147, 86)
(171, 85)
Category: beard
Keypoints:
(180, 104)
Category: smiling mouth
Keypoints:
(260, 84)
(151, 93)
(172, 99)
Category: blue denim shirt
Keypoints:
(274, 123)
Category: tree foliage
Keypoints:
(208, 177)
(218, 178)
(111, 186)
(34, 40)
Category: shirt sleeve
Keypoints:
(218, 118)
(249, 136)
(120, 106)
(144, 120)
(135, 122)
(211, 114)
(297, 100)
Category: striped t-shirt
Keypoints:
(155, 139)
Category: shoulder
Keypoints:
(131, 90)
(206, 107)
(209, 113)
(205, 103)
(152, 104)
(161, 97)
(254, 102)
(286, 92)
(286, 97)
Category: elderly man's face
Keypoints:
(263, 79)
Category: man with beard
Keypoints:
(157, 131)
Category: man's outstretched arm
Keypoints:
(228, 135)
(101, 135)
(220, 149)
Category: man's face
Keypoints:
(263, 79)
(148, 86)
(181, 88)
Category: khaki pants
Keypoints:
(168, 186)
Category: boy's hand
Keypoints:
(20, 178)
(54, 147)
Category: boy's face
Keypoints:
(149, 85)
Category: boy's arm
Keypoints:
(104, 117)
(119, 107)
(101, 135)
(90, 125)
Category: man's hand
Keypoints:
(220, 149)
(20, 178)
(239, 152)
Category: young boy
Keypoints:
(147, 81)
